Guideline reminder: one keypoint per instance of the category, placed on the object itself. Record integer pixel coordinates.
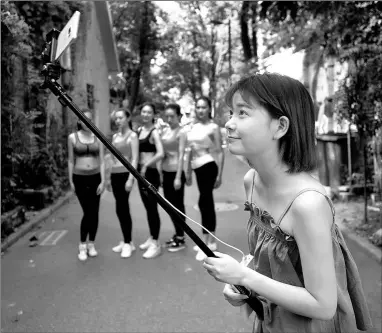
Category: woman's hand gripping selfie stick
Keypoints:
(52, 71)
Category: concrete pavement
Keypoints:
(46, 289)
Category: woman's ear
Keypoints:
(282, 127)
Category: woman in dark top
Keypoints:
(87, 179)
(150, 152)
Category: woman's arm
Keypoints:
(102, 163)
(70, 161)
(134, 153)
(109, 161)
(220, 153)
(181, 150)
(159, 148)
(312, 219)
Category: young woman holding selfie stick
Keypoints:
(302, 269)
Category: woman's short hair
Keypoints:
(284, 96)
(175, 107)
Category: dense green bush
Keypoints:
(33, 152)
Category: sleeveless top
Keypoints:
(124, 147)
(85, 149)
(145, 146)
(276, 256)
(200, 143)
(81, 149)
(170, 141)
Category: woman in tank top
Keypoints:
(204, 137)
(174, 140)
(87, 178)
(150, 152)
(301, 269)
(120, 181)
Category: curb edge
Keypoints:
(28, 226)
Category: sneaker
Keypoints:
(146, 244)
(92, 252)
(82, 255)
(213, 246)
(170, 241)
(127, 250)
(118, 248)
(153, 250)
(200, 256)
(177, 245)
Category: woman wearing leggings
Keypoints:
(204, 137)
(87, 178)
(150, 152)
(174, 140)
(121, 181)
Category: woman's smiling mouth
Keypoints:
(232, 138)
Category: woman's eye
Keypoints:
(242, 113)
(230, 114)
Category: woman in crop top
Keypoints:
(150, 152)
(87, 178)
(121, 181)
(174, 140)
(204, 137)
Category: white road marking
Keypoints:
(53, 237)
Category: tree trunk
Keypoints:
(198, 63)
(244, 31)
(135, 83)
(254, 29)
(317, 68)
(365, 178)
(212, 92)
(142, 52)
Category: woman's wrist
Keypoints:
(249, 277)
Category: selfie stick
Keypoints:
(51, 71)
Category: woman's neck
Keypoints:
(174, 127)
(148, 125)
(125, 130)
(85, 132)
(271, 171)
(204, 121)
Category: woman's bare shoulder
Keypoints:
(72, 137)
(133, 135)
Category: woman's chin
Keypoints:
(233, 149)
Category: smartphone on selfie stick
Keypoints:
(56, 43)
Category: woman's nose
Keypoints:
(229, 125)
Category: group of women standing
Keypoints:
(166, 158)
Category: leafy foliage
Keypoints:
(31, 156)
(136, 32)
